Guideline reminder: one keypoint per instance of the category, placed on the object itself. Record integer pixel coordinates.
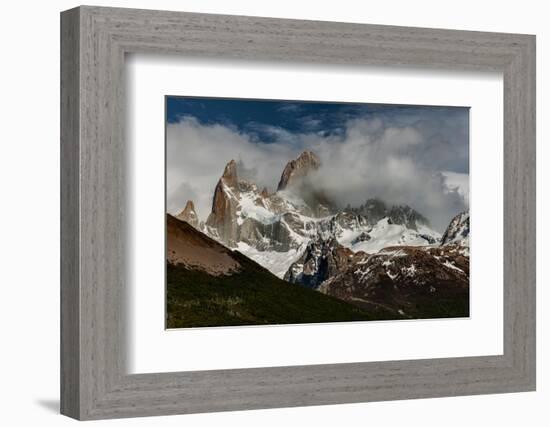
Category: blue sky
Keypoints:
(400, 153)
(263, 120)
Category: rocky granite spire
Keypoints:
(229, 176)
(298, 168)
(223, 216)
(189, 215)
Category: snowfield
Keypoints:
(249, 209)
(276, 262)
(384, 234)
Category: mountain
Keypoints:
(412, 282)
(421, 281)
(363, 233)
(189, 215)
(210, 285)
(384, 259)
(376, 209)
(321, 260)
(223, 218)
(275, 228)
(297, 169)
(458, 230)
(241, 213)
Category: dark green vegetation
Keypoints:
(417, 302)
(252, 296)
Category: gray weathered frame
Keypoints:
(94, 41)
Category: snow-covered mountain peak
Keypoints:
(458, 231)
(275, 229)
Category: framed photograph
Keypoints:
(318, 195)
(262, 213)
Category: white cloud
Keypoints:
(196, 155)
(459, 182)
(370, 159)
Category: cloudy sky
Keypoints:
(417, 155)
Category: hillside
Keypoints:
(200, 294)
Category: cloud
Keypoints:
(178, 193)
(197, 154)
(399, 161)
(373, 160)
(289, 107)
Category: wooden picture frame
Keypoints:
(94, 382)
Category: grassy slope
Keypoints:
(253, 296)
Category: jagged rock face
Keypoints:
(321, 260)
(407, 216)
(359, 233)
(363, 237)
(229, 175)
(222, 221)
(458, 230)
(339, 223)
(288, 231)
(189, 215)
(240, 213)
(298, 168)
(375, 210)
(409, 281)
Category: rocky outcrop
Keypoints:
(407, 216)
(229, 175)
(298, 168)
(375, 209)
(414, 282)
(337, 224)
(223, 218)
(321, 260)
(458, 231)
(241, 213)
(189, 215)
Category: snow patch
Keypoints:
(249, 209)
(410, 271)
(384, 234)
(276, 262)
(390, 275)
(452, 266)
